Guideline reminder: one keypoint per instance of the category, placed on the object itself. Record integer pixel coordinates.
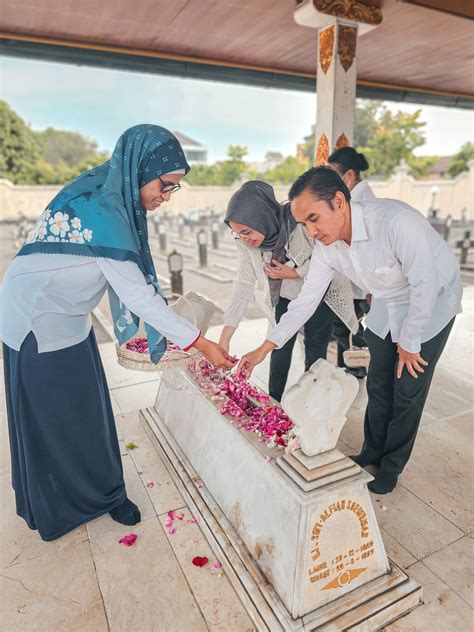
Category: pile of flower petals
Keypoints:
(267, 419)
(140, 345)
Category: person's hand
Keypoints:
(279, 270)
(250, 360)
(213, 352)
(412, 361)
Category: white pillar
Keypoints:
(338, 24)
(336, 87)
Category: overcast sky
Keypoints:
(101, 104)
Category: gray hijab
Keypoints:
(254, 205)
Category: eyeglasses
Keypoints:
(168, 188)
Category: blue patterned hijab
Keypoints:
(99, 214)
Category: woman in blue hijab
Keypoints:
(92, 237)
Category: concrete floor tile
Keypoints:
(143, 586)
(162, 491)
(215, 596)
(455, 565)
(441, 610)
(19, 543)
(420, 529)
(396, 551)
(137, 396)
(129, 427)
(58, 591)
(440, 470)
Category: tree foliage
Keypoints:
(385, 139)
(69, 147)
(287, 171)
(395, 139)
(46, 157)
(19, 148)
(223, 173)
(460, 161)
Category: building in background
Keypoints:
(196, 154)
(440, 168)
(272, 160)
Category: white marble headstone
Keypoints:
(318, 404)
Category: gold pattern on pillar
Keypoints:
(326, 48)
(346, 45)
(322, 151)
(342, 141)
(350, 10)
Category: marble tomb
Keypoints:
(296, 532)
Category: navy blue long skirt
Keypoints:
(66, 465)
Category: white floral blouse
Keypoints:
(251, 283)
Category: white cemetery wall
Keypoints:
(451, 197)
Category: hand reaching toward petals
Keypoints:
(250, 360)
(213, 352)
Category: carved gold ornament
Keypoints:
(349, 9)
(326, 48)
(346, 45)
(322, 152)
(342, 141)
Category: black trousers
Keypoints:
(317, 331)
(395, 405)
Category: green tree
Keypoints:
(459, 162)
(49, 157)
(385, 139)
(19, 148)
(420, 165)
(202, 175)
(233, 169)
(395, 139)
(237, 153)
(70, 147)
(287, 171)
(366, 117)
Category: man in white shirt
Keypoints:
(389, 250)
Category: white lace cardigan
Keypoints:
(251, 283)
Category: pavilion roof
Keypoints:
(417, 53)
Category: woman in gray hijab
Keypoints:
(274, 257)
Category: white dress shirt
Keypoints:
(53, 296)
(362, 193)
(396, 256)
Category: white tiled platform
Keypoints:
(87, 582)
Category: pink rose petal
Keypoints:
(217, 565)
(150, 484)
(171, 530)
(129, 540)
(171, 515)
(200, 561)
(268, 459)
